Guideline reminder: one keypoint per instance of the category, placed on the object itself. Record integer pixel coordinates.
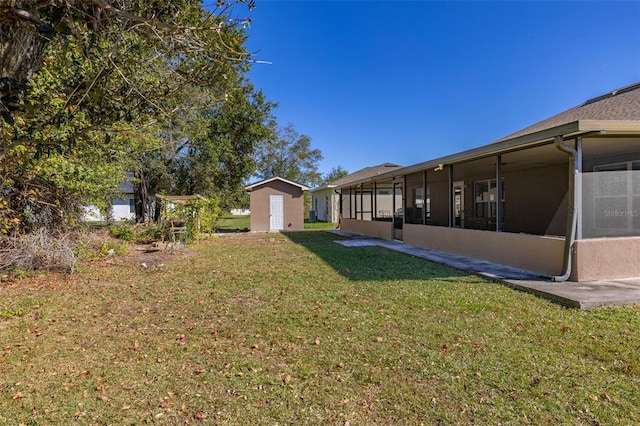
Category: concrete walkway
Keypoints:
(582, 295)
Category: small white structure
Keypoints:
(123, 207)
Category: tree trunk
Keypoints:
(23, 40)
(139, 191)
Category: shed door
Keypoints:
(276, 212)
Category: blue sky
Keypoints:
(407, 81)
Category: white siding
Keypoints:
(121, 210)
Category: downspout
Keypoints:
(572, 212)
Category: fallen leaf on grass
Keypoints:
(201, 415)
(605, 397)
(287, 378)
(17, 395)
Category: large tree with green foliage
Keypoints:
(218, 161)
(288, 154)
(89, 88)
(334, 174)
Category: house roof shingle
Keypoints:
(620, 105)
(615, 112)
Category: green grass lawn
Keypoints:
(319, 225)
(295, 329)
(230, 223)
(233, 223)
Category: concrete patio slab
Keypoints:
(357, 243)
(581, 295)
(584, 295)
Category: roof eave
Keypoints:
(320, 188)
(482, 151)
(610, 126)
(531, 139)
(371, 178)
(568, 130)
(249, 188)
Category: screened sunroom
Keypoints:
(560, 198)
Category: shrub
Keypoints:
(146, 233)
(122, 231)
(200, 216)
(95, 245)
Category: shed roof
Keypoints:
(250, 187)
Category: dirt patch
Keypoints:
(244, 298)
(156, 253)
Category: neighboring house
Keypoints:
(123, 207)
(561, 197)
(276, 204)
(325, 201)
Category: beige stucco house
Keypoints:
(561, 197)
(276, 204)
(325, 200)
